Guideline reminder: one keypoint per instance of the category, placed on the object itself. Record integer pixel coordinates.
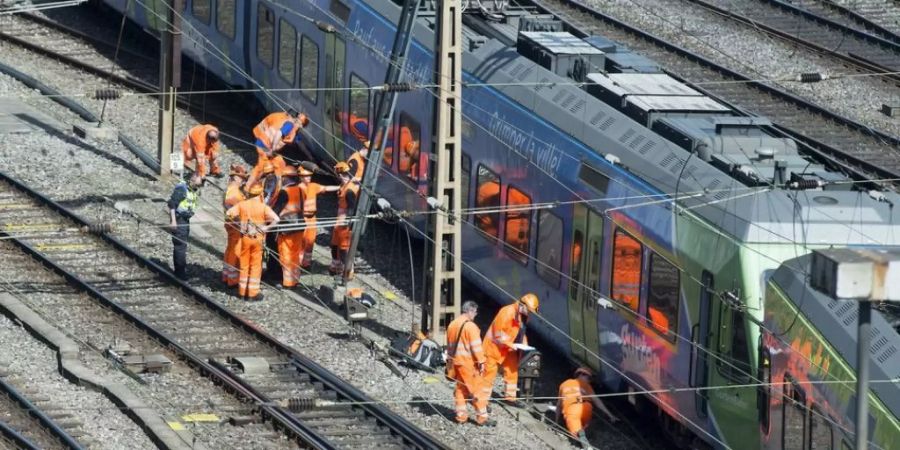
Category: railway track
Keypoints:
(878, 17)
(24, 425)
(842, 143)
(298, 396)
(810, 28)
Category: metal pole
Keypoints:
(169, 79)
(445, 283)
(863, 347)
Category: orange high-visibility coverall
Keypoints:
(466, 353)
(233, 196)
(290, 242)
(276, 121)
(576, 409)
(196, 147)
(257, 175)
(357, 165)
(340, 236)
(498, 341)
(252, 214)
(518, 222)
(309, 193)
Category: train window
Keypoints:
(593, 178)
(409, 145)
(464, 183)
(488, 197)
(518, 224)
(626, 270)
(225, 17)
(265, 34)
(201, 10)
(734, 362)
(358, 124)
(287, 51)
(549, 247)
(793, 410)
(663, 296)
(309, 69)
(820, 431)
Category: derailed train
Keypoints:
(671, 233)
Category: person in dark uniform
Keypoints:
(184, 200)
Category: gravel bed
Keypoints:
(97, 178)
(760, 56)
(32, 366)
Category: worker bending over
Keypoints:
(465, 365)
(202, 145)
(576, 404)
(274, 132)
(504, 341)
(340, 237)
(310, 191)
(255, 219)
(289, 207)
(234, 194)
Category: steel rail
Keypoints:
(857, 60)
(865, 169)
(862, 20)
(17, 438)
(46, 422)
(398, 425)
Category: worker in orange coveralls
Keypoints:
(310, 192)
(465, 365)
(488, 194)
(274, 132)
(233, 195)
(357, 162)
(202, 145)
(289, 207)
(340, 236)
(255, 220)
(576, 404)
(503, 341)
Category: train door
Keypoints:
(335, 59)
(700, 339)
(587, 241)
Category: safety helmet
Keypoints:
(289, 171)
(268, 168)
(584, 371)
(256, 189)
(237, 170)
(530, 301)
(341, 167)
(304, 172)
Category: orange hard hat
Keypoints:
(304, 172)
(341, 167)
(530, 301)
(237, 170)
(584, 371)
(289, 171)
(256, 189)
(268, 168)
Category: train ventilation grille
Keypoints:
(628, 134)
(647, 147)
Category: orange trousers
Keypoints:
(577, 416)
(340, 244)
(309, 242)
(201, 161)
(230, 271)
(251, 265)
(470, 387)
(289, 245)
(510, 366)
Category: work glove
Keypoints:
(480, 367)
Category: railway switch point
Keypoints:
(95, 131)
(252, 365)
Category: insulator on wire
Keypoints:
(805, 184)
(301, 404)
(97, 228)
(398, 87)
(107, 94)
(811, 77)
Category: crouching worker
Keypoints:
(576, 404)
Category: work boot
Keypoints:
(259, 297)
(487, 423)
